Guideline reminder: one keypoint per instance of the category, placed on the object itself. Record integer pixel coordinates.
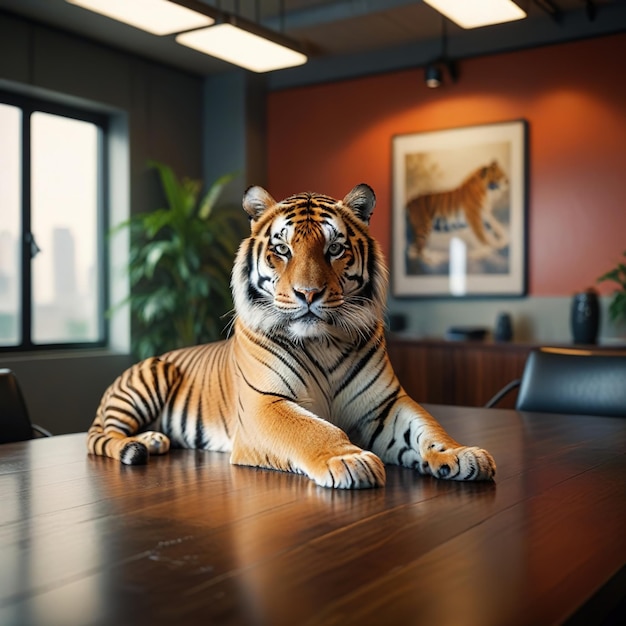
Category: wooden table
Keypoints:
(190, 539)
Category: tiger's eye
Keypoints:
(282, 249)
(335, 249)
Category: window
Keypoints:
(52, 225)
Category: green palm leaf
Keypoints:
(617, 307)
(181, 258)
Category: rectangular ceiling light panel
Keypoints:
(159, 17)
(476, 13)
(241, 47)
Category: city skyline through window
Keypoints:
(53, 203)
(10, 223)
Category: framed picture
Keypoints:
(459, 212)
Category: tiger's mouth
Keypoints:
(308, 325)
(309, 318)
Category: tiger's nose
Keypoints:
(308, 294)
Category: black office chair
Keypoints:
(580, 382)
(15, 424)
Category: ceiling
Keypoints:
(346, 37)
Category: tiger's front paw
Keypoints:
(464, 463)
(156, 442)
(356, 470)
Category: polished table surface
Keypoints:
(190, 539)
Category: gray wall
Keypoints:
(159, 111)
(235, 130)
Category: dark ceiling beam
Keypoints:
(551, 8)
(591, 9)
(332, 12)
(530, 33)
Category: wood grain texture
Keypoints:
(462, 373)
(191, 539)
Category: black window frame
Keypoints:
(29, 105)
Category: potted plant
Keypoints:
(181, 258)
(617, 307)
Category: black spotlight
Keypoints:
(434, 71)
(432, 76)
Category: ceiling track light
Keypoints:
(433, 76)
(157, 17)
(241, 42)
(434, 71)
(208, 30)
(477, 13)
(244, 43)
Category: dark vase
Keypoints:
(396, 322)
(585, 317)
(504, 328)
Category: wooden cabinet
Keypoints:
(465, 373)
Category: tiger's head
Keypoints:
(494, 176)
(309, 269)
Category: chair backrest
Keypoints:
(15, 423)
(582, 382)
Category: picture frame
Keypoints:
(459, 212)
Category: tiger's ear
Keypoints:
(361, 200)
(256, 201)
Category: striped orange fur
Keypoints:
(304, 383)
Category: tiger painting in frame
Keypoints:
(459, 211)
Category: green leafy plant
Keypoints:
(617, 307)
(181, 258)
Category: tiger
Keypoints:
(303, 382)
(468, 203)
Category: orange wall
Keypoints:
(329, 137)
